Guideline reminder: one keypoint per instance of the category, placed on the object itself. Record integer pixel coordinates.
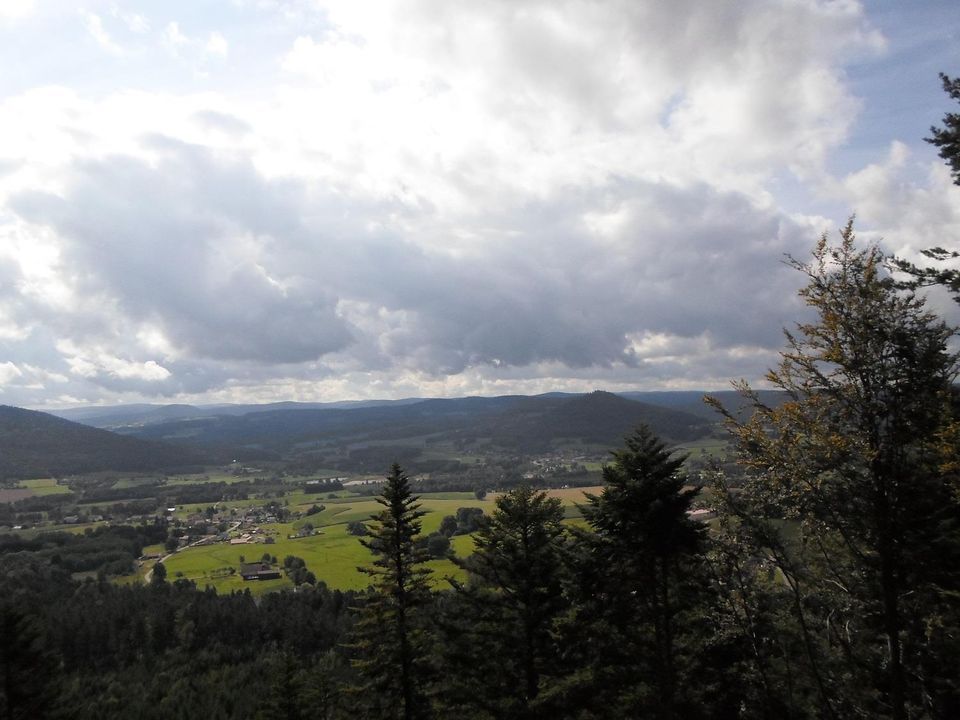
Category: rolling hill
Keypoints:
(36, 444)
(130, 417)
(513, 422)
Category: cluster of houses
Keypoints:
(254, 535)
(560, 464)
(207, 528)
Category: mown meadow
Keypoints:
(332, 554)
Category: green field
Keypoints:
(333, 555)
(705, 449)
(45, 486)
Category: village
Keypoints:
(221, 524)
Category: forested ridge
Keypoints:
(35, 444)
(528, 424)
(361, 439)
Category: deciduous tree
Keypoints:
(846, 493)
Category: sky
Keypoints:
(256, 200)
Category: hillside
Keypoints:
(605, 418)
(127, 418)
(515, 423)
(691, 401)
(36, 444)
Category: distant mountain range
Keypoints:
(150, 437)
(524, 423)
(119, 417)
(36, 444)
(131, 418)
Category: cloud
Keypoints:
(554, 93)
(173, 38)
(94, 26)
(439, 198)
(196, 262)
(229, 266)
(223, 122)
(8, 371)
(910, 215)
(135, 22)
(88, 365)
(217, 45)
(11, 10)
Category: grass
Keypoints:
(75, 528)
(132, 482)
(200, 479)
(45, 486)
(333, 555)
(705, 448)
(453, 496)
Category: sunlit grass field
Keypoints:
(332, 555)
(45, 486)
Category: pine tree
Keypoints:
(503, 648)
(28, 671)
(639, 577)
(391, 641)
(846, 494)
(284, 686)
(947, 138)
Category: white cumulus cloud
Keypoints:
(439, 197)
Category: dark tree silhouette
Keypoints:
(641, 569)
(391, 641)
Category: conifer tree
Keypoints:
(391, 642)
(27, 670)
(947, 138)
(503, 648)
(639, 578)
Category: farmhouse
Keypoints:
(259, 571)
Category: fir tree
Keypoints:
(391, 641)
(947, 138)
(639, 578)
(502, 649)
(27, 669)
